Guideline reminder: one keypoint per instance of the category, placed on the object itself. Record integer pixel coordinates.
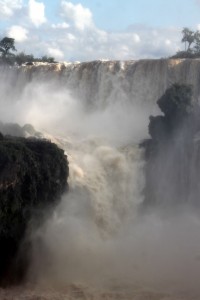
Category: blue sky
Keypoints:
(119, 14)
(98, 29)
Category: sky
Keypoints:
(87, 30)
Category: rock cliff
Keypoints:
(172, 154)
(33, 176)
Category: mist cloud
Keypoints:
(97, 235)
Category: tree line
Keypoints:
(7, 55)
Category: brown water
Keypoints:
(96, 233)
(78, 291)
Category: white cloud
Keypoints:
(91, 44)
(168, 42)
(71, 37)
(70, 44)
(62, 25)
(75, 36)
(136, 38)
(36, 12)
(80, 16)
(8, 7)
(18, 33)
(102, 36)
(56, 53)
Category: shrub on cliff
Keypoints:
(33, 175)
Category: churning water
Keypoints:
(96, 244)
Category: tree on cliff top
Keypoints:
(188, 37)
(191, 37)
(192, 44)
(7, 44)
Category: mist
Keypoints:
(97, 234)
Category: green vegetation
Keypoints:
(22, 58)
(33, 175)
(9, 58)
(7, 44)
(191, 39)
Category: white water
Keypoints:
(96, 238)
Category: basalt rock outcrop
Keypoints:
(14, 129)
(173, 152)
(33, 176)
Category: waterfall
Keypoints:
(98, 112)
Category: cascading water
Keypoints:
(98, 112)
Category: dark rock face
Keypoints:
(173, 152)
(15, 129)
(33, 175)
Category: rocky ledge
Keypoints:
(33, 176)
